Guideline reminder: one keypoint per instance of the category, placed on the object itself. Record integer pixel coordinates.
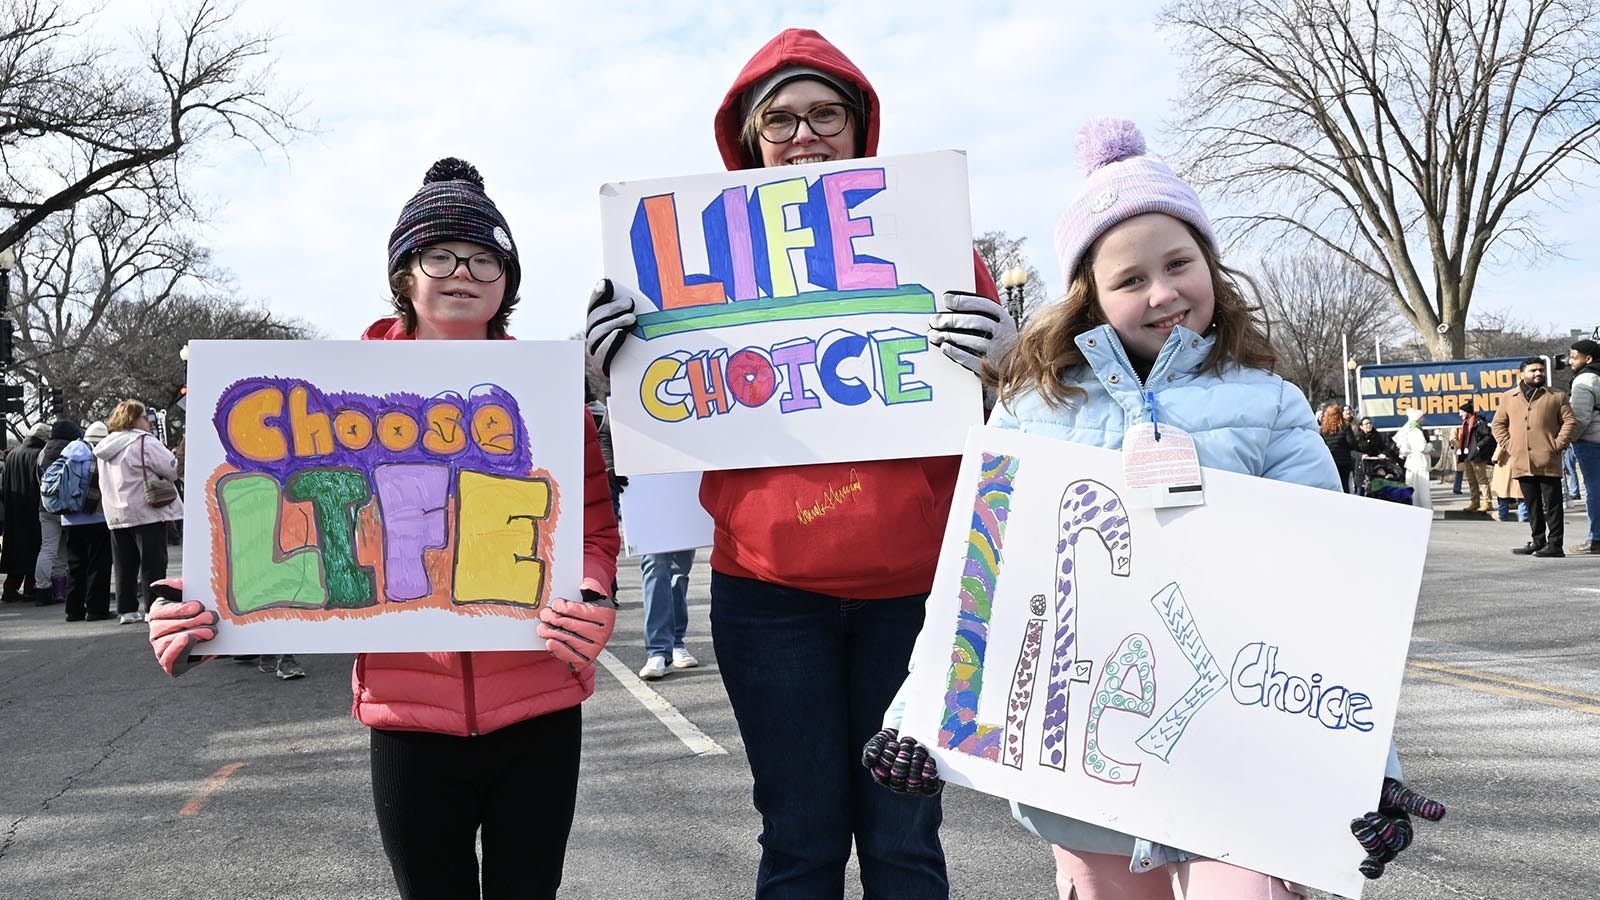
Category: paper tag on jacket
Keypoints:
(1161, 473)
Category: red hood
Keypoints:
(390, 328)
(794, 47)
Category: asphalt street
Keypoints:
(120, 782)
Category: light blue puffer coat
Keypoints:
(1244, 420)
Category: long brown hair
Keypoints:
(1045, 348)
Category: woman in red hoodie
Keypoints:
(813, 618)
(453, 733)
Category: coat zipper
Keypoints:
(467, 694)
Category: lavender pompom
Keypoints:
(1104, 141)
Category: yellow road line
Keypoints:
(1502, 679)
(1541, 694)
(212, 785)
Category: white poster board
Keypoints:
(363, 496)
(1200, 676)
(662, 514)
(787, 314)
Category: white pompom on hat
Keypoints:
(1122, 181)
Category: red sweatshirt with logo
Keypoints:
(859, 530)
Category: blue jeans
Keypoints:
(666, 600)
(1569, 469)
(809, 677)
(1504, 513)
(1588, 455)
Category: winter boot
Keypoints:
(44, 596)
(58, 587)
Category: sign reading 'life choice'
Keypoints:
(1190, 676)
(787, 314)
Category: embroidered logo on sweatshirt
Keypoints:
(831, 498)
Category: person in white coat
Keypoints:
(1413, 444)
(129, 458)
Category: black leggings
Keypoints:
(432, 792)
(141, 557)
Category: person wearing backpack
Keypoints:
(136, 472)
(50, 569)
(88, 538)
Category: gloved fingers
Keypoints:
(971, 361)
(966, 302)
(580, 634)
(611, 318)
(175, 655)
(566, 614)
(180, 610)
(1378, 834)
(923, 775)
(568, 649)
(883, 746)
(202, 627)
(169, 589)
(873, 750)
(1396, 797)
(965, 323)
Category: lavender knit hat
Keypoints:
(1122, 182)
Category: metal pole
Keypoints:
(1377, 350)
(1344, 370)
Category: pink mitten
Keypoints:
(576, 632)
(176, 625)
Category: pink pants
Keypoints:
(1104, 876)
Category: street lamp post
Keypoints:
(8, 259)
(1014, 280)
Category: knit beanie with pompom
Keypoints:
(452, 206)
(1122, 181)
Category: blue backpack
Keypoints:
(64, 487)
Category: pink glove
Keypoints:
(576, 632)
(176, 625)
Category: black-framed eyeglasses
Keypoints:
(824, 120)
(437, 262)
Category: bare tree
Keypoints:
(1497, 333)
(1000, 252)
(75, 124)
(135, 354)
(1412, 137)
(1317, 301)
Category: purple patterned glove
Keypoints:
(1383, 834)
(901, 764)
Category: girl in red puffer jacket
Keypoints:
(452, 733)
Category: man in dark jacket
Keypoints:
(1475, 451)
(19, 491)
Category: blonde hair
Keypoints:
(1046, 346)
(125, 415)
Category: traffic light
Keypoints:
(57, 402)
(10, 398)
(7, 345)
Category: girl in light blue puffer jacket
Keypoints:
(1153, 325)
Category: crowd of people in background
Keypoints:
(1542, 448)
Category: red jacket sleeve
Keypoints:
(601, 542)
(982, 281)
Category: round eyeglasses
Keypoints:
(437, 262)
(824, 120)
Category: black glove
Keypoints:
(618, 482)
(901, 764)
(1383, 834)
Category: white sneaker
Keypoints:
(683, 659)
(130, 618)
(655, 668)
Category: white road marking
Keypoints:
(698, 742)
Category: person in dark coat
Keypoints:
(50, 568)
(19, 491)
(1336, 434)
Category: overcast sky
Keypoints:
(552, 100)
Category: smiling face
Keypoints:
(799, 98)
(458, 306)
(1150, 276)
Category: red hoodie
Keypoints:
(859, 530)
(479, 692)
